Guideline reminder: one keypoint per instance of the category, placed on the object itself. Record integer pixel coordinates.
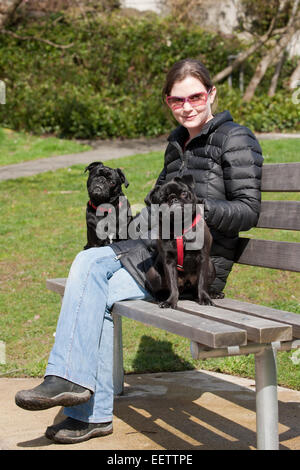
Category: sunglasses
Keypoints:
(197, 99)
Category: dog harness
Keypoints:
(180, 243)
(103, 209)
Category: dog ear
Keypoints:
(93, 165)
(188, 180)
(123, 178)
(152, 196)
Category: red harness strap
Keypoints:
(180, 244)
(103, 209)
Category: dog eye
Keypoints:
(184, 194)
(112, 183)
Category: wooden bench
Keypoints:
(235, 327)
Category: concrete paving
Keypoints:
(191, 410)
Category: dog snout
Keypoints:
(173, 199)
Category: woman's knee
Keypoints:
(84, 259)
(92, 254)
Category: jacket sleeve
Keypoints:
(161, 178)
(241, 161)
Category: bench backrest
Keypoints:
(284, 215)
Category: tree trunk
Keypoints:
(242, 56)
(7, 9)
(267, 61)
(277, 50)
(275, 77)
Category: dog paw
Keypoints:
(205, 300)
(217, 295)
(164, 304)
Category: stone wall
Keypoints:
(143, 5)
(220, 15)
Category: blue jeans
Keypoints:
(83, 348)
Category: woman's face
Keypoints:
(190, 116)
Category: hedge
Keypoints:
(108, 84)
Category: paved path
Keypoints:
(103, 150)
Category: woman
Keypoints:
(225, 160)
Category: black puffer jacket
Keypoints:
(225, 160)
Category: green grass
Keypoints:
(17, 147)
(281, 151)
(43, 228)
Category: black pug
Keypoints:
(187, 273)
(104, 186)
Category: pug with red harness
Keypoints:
(183, 265)
(106, 202)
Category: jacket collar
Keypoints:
(180, 134)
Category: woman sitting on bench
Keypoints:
(225, 160)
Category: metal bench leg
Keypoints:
(266, 400)
(118, 372)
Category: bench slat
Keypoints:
(56, 285)
(281, 177)
(269, 254)
(281, 316)
(208, 332)
(261, 311)
(280, 214)
(259, 330)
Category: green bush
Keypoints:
(108, 84)
(262, 113)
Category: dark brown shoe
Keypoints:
(54, 391)
(71, 431)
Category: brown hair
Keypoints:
(184, 68)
